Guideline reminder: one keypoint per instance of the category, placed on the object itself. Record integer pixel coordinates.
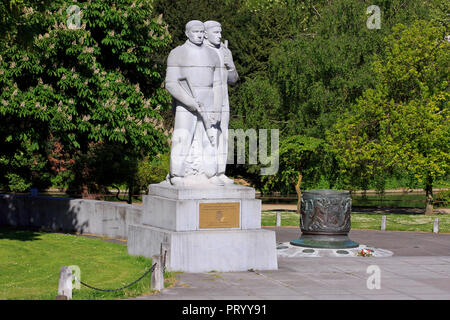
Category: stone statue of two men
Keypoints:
(198, 74)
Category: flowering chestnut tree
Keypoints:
(89, 76)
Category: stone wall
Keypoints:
(101, 218)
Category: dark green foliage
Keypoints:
(98, 84)
(152, 171)
(321, 75)
(298, 155)
(84, 107)
(403, 124)
(443, 199)
(259, 105)
(302, 64)
(253, 28)
(314, 77)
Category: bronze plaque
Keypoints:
(219, 215)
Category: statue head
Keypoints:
(195, 31)
(213, 32)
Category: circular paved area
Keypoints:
(400, 243)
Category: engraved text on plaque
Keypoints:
(219, 215)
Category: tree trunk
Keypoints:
(429, 195)
(299, 192)
(84, 191)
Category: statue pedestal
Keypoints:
(204, 229)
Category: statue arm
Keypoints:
(178, 92)
(231, 68)
(173, 85)
(232, 76)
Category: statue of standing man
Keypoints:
(193, 79)
(229, 75)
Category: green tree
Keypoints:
(298, 156)
(259, 105)
(78, 87)
(11, 16)
(321, 73)
(403, 124)
(252, 27)
(315, 74)
(152, 170)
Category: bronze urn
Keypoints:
(325, 220)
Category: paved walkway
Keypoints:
(419, 269)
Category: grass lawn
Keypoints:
(394, 222)
(30, 263)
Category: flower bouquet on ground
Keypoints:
(365, 253)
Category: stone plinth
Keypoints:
(177, 209)
(204, 229)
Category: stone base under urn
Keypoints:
(324, 241)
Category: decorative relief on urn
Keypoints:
(325, 219)
(326, 215)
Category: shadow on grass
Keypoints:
(12, 233)
(41, 213)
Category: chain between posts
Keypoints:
(129, 285)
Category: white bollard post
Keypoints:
(65, 284)
(278, 219)
(383, 223)
(436, 225)
(157, 282)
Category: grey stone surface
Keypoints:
(404, 276)
(174, 208)
(436, 225)
(331, 283)
(65, 283)
(164, 189)
(207, 250)
(101, 218)
(400, 243)
(178, 215)
(278, 223)
(172, 215)
(288, 250)
(157, 281)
